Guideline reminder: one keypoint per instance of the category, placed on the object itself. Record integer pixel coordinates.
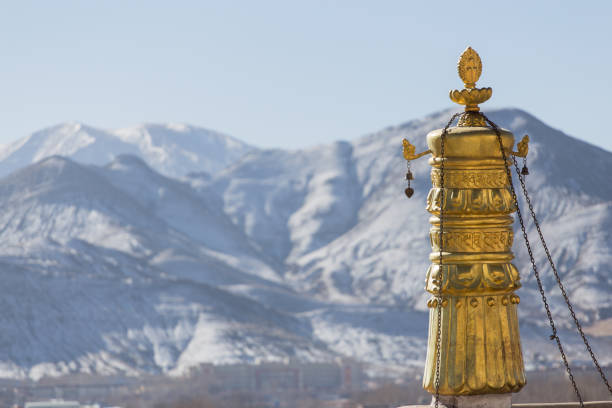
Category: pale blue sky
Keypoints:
(298, 73)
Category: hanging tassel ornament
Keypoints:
(409, 190)
(525, 170)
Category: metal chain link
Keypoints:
(440, 271)
(559, 283)
(551, 321)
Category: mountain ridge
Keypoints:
(173, 149)
(307, 253)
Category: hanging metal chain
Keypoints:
(551, 321)
(558, 278)
(440, 271)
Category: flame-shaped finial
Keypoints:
(470, 68)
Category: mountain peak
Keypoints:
(128, 160)
(67, 128)
(54, 161)
(70, 126)
(173, 149)
(50, 169)
(175, 127)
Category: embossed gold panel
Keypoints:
(480, 346)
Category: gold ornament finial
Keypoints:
(470, 68)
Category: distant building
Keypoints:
(235, 377)
(320, 376)
(342, 374)
(352, 374)
(273, 376)
(54, 403)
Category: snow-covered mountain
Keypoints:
(367, 244)
(172, 149)
(350, 234)
(103, 273)
(108, 265)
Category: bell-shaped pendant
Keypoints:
(409, 175)
(525, 171)
(409, 192)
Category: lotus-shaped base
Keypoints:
(471, 97)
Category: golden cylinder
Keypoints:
(480, 348)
